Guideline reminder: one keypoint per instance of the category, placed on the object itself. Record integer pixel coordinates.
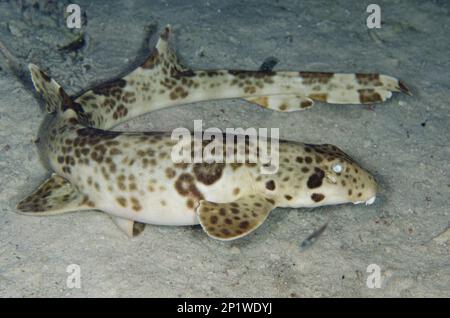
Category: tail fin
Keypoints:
(49, 89)
(358, 88)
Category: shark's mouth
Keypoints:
(368, 202)
(371, 200)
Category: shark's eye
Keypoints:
(337, 167)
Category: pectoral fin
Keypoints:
(229, 221)
(56, 195)
(129, 227)
(283, 103)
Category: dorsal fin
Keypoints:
(163, 55)
(56, 99)
(49, 89)
(119, 99)
(268, 64)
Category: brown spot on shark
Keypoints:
(208, 173)
(315, 180)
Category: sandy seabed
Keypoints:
(404, 142)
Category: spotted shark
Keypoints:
(161, 81)
(132, 177)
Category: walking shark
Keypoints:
(161, 82)
(131, 176)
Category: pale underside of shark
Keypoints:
(131, 176)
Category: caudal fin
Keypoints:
(340, 88)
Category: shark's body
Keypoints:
(132, 177)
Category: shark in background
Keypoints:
(161, 82)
